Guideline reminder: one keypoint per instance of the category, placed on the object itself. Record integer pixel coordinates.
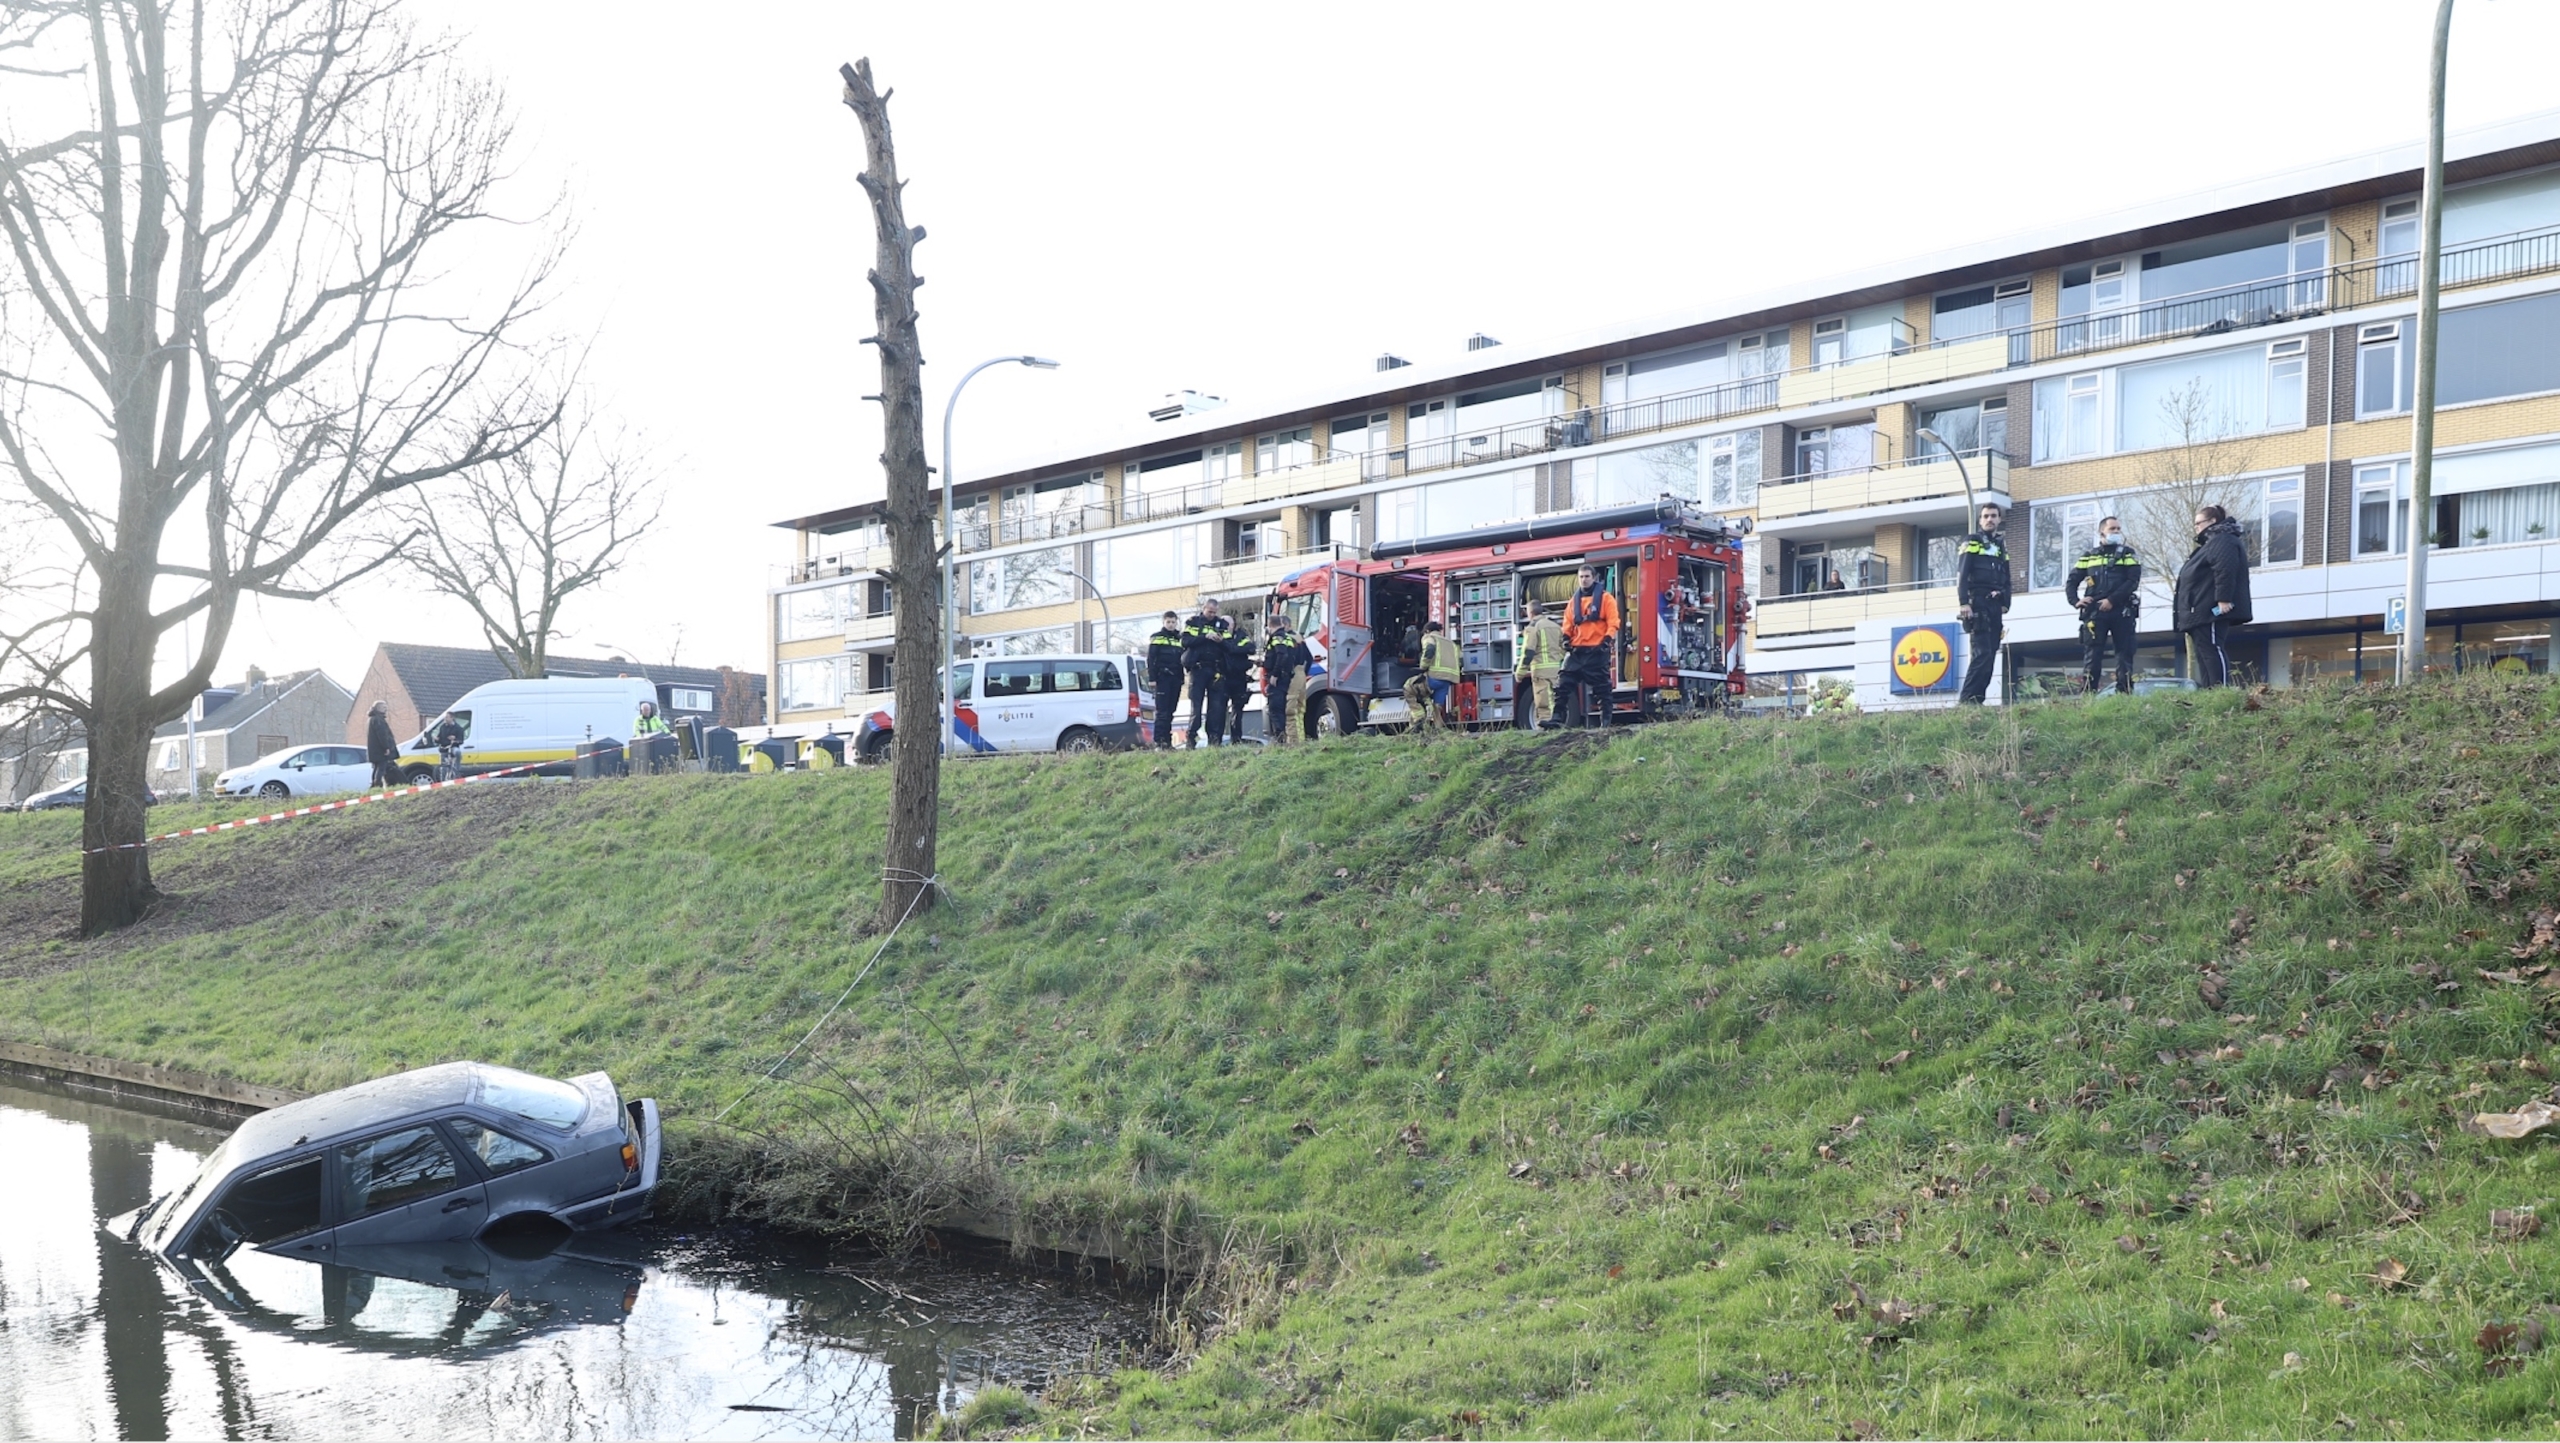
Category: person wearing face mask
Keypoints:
(1982, 599)
(1590, 630)
(2213, 595)
(2106, 587)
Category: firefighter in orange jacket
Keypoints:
(1590, 630)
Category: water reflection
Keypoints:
(633, 1334)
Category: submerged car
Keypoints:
(440, 1154)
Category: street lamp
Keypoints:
(1098, 601)
(2422, 411)
(1971, 511)
(951, 539)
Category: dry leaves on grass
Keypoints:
(2505, 1344)
(2513, 1225)
(2391, 1273)
(1896, 1060)
(2524, 1121)
(1410, 1137)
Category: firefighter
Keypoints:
(1540, 657)
(2106, 587)
(1427, 691)
(1203, 647)
(1235, 681)
(1284, 682)
(1590, 631)
(1164, 675)
(1982, 599)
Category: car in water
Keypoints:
(299, 772)
(441, 1154)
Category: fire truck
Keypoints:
(1677, 573)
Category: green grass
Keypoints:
(1565, 1074)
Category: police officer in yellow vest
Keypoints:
(1534, 668)
(1426, 693)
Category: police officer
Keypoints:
(1235, 681)
(2106, 586)
(1590, 631)
(1164, 675)
(1284, 691)
(1982, 599)
(1534, 667)
(1203, 652)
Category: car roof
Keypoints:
(383, 1100)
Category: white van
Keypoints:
(1080, 703)
(539, 719)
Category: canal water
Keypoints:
(645, 1333)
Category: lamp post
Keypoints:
(1098, 601)
(2422, 411)
(1971, 511)
(951, 540)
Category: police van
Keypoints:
(540, 720)
(1075, 703)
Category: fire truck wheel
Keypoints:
(1332, 714)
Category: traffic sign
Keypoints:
(2395, 616)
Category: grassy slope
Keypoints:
(1629, 992)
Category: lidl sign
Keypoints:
(1926, 660)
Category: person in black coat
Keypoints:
(2213, 595)
(1283, 657)
(1164, 675)
(1235, 681)
(1203, 658)
(382, 748)
(1983, 586)
(2106, 588)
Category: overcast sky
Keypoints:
(1255, 201)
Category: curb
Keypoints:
(168, 1086)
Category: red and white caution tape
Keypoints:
(317, 808)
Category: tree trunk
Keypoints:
(115, 886)
(915, 791)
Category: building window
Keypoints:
(2285, 371)
(813, 612)
(2379, 352)
(1338, 527)
(1029, 578)
(879, 671)
(2399, 239)
(1150, 561)
(1284, 450)
(1960, 315)
(1364, 436)
(1818, 566)
(2382, 516)
(812, 684)
(2057, 535)
(879, 598)
(1160, 486)
(2509, 348)
(1733, 468)
(2281, 536)
(1223, 462)
(688, 698)
(1873, 331)
(1971, 426)
(1835, 450)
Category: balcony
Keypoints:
(863, 632)
(1914, 366)
(852, 561)
(1791, 616)
(1262, 486)
(1261, 573)
(1931, 478)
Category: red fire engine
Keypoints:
(1676, 571)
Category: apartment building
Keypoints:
(2251, 346)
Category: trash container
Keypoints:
(601, 758)
(688, 735)
(720, 749)
(655, 752)
(776, 750)
(826, 751)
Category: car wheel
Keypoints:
(874, 749)
(419, 776)
(275, 789)
(1079, 739)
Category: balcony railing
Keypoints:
(2233, 308)
(1254, 573)
(1842, 610)
(1921, 478)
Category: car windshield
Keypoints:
(553, 1104)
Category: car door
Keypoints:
(1010, 699)
(407, 1185)
(277, 1207)
(346, 769)
(1084, 691)
(524, 1176)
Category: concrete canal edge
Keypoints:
(198, 1092)
(229, 1100)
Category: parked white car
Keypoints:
(298, 772)
(1078, 703)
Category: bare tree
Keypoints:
(2201, 467)
(516, 541)
(915, 787)
(231, 229)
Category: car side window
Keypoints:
(266, 1207)
(497, 1151)
(346, 756)
(1014, 678)
(385, 1172)
(1084, 676)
